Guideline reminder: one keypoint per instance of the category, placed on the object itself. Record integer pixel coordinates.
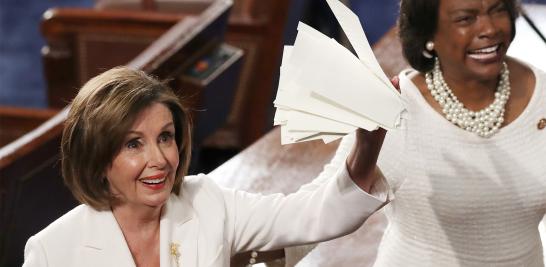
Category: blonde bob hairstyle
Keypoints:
(100, 116)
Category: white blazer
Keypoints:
(209, 224)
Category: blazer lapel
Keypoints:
(179, 234)
(103, 242)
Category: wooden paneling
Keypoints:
(32, 193)
(259, 32)
(82, 43)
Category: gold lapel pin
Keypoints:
(175, 253)
(541, 124)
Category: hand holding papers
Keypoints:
(325, 92)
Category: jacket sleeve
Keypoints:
(34, 254)
(328, 208)
(380, 189)
(333, 166)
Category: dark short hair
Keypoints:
(417, 24)
(99, 118)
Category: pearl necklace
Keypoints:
(485, 122)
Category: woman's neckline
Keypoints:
(505, 130)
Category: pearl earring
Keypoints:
(429, 46)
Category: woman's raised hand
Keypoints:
(361, 162)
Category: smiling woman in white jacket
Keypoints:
(125, 151)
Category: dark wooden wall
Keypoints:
(32, 193)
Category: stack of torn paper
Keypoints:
(325, 92)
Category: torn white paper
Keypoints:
(325, 92)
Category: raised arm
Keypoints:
(334, 208)
(362, 160)
(336, 203)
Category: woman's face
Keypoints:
(143, 172)
(472, 37)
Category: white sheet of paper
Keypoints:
(302, 27)
(285, 69)
(325, 92)
(311, 105)
(281, 115)
(288, 137)
(291, 137)
(302, 135)
(328, 138)
(351, 26)
(286, 52)
(325, 137)
(342, 78)
(298, 98)
(305, 122)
